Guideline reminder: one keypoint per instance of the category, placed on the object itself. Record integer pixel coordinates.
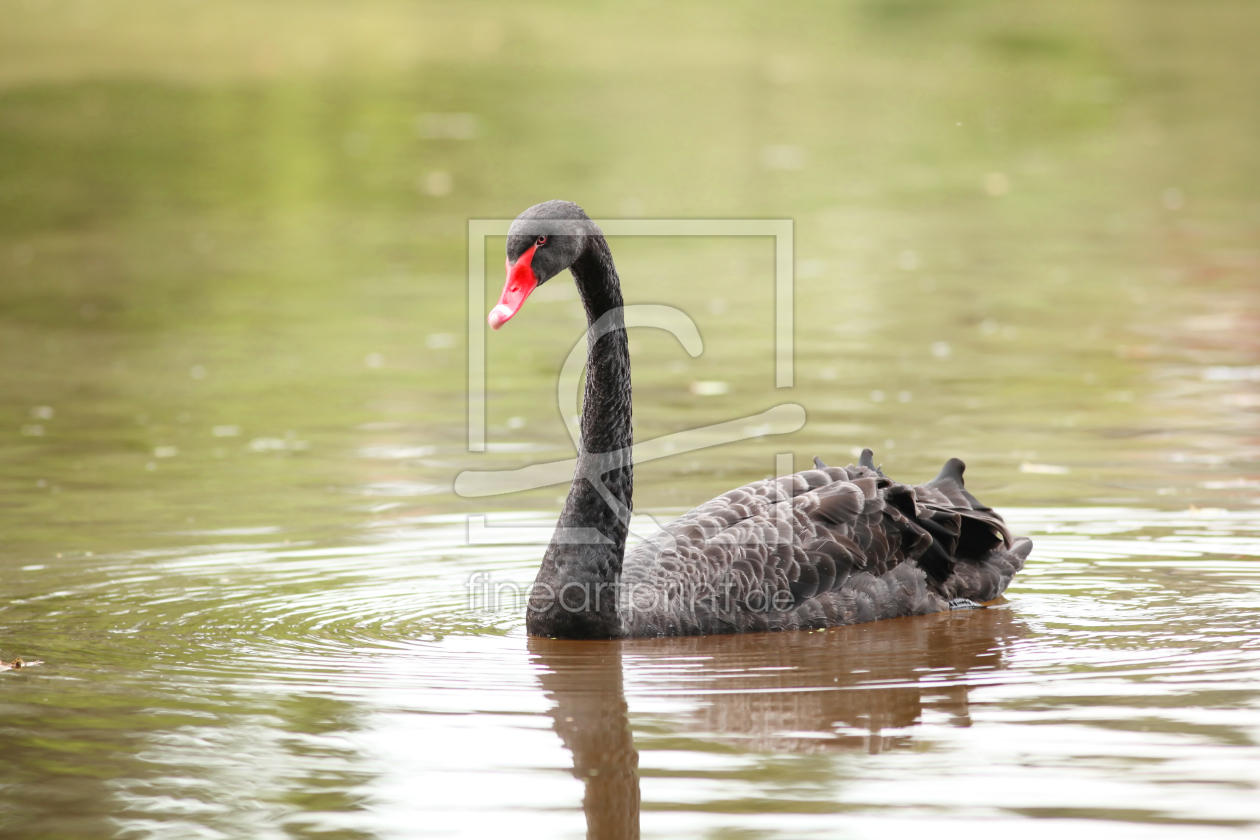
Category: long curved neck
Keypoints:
(574, 595)
(606, 404)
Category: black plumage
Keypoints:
(824, 547)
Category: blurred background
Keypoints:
(232, 245)
(233, 263)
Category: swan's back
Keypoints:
(820, 548)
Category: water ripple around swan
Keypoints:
(1118, 685)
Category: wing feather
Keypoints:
(833, 545)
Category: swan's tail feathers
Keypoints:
(867, 460)
(818, 463)
(951, 472)
(972, 553)
(950, 482)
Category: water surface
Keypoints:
(233, 399)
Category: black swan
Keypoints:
(824, 547)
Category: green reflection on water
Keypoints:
(992, 237)
(255, 248)
(232, 256)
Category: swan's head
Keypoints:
(542, 242)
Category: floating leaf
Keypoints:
(19, 663)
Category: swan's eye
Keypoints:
(542, 240)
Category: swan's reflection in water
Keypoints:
(583, 680)
(844, 688)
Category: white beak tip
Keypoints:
(498, 316)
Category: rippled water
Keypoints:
(247, 687)
(233, 403)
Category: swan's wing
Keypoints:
(818, 548)
(750, 557)
(970, 540)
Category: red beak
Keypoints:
(520, 282)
